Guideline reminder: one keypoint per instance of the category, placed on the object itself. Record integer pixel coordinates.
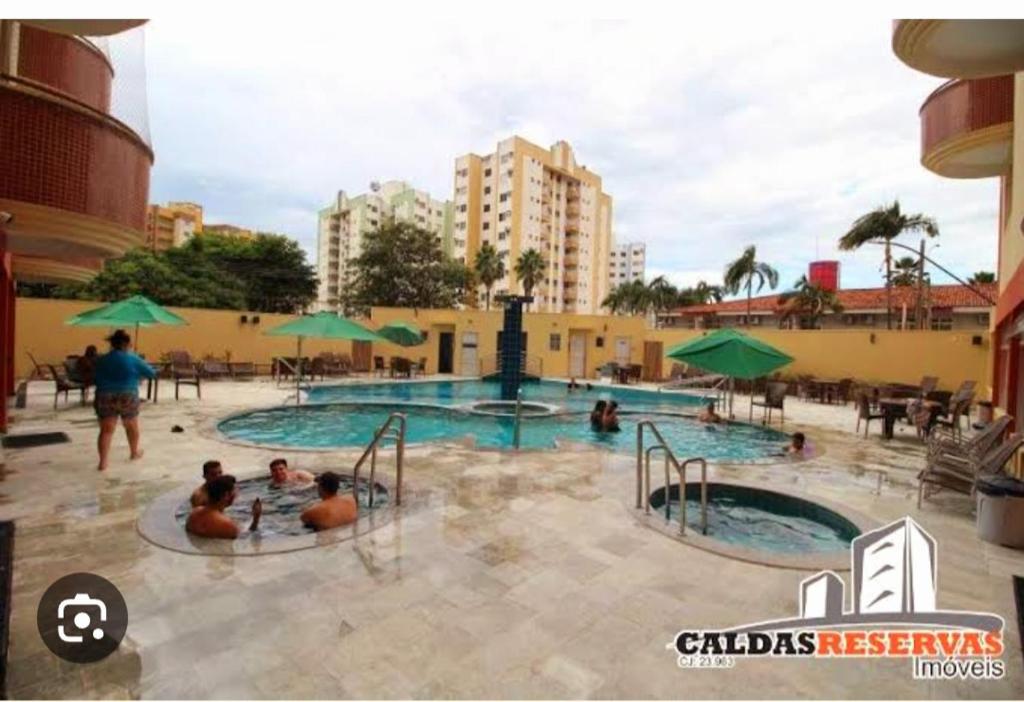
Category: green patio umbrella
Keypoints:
(322, 325)
(730, 353)
(137, 310)
(402, 333)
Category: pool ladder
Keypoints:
(643, 477)
(385, 432)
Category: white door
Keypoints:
(577, 354)
(470, 363)
(622, 350)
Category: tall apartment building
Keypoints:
(171, 225)
(626, 264)
(229, 230)
(342, 226)
(523, 197)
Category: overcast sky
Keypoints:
(709, 135)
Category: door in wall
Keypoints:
(622, 350)
(470, 360)
(577, 354)
(445, 351)
(361, 352)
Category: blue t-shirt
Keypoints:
(120, 371)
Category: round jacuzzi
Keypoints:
(503, 408)
(761, 525)
(280, 528)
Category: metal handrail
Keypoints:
(382, 433)
(643, 477)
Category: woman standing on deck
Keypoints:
(117, 394)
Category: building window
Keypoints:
(504, 196)
(555, 342)
(487, 225)
(983, 320)
(487, 173)
(487, 190)
(942, 323)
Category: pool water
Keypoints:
(283, 505)
(761, 519)
(348, 415)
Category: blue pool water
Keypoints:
(761, 519)
(339, 416)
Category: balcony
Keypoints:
(36, 269)
(75, 179)
(69, 65)
(958, 48)
(967, 128)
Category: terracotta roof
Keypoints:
(855, 299)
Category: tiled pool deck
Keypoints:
(513, 576)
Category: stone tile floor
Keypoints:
(520, 576)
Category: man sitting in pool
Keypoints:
(708, 415)
(211, 471)
(210, 521)
(333, 510)
(281, 475)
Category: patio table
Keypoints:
(826, 389)
(153, 384)
(894, 408)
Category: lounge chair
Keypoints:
(243, 370)
(961, 476)
(864, 413)
(213, 369)
(945, 443)
(184, 372)
(39, 372)
(64, 384)
(774, 398)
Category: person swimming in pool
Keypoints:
(708, 415)
(210, 521)
(610, 421)
(796, 445)
(572, 385)
(597, 415)
(281, 475)
(211, 471)
(333, 510)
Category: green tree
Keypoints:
(489, 267)
(529, 269)
(881, 226)
(808, 302)
(631, 298)
(661, 296)
(744, 271)
(402, 265)
(904, 271)
(704, 293)
(982, 277)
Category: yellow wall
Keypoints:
(894, 356)
(1011, 243)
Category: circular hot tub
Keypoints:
(765, 526)
(503, 408)
(280, 530)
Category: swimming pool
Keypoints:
(762, 520)
(347, 415)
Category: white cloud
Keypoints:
(709, 134)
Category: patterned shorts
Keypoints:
(116, 404)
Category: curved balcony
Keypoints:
(86, 27)
(967, 128)
(70, 65)
(958, 48)
(36, 269)
(75, 179)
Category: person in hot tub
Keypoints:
(210, 521)
(333, 510)
(211, 471)
(281, 475)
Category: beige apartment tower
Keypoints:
(523, 196)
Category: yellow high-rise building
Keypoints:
(171, 225)
(523, 197)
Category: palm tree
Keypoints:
(662, 296)
(629, 298)
(881, 226)
(982, 277)
(808, 301)
(489, 267)
(529, 269)
(742, 273)
(704, 292)
(905, 271)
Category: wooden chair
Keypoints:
(378, 366)
(420, 367)
(213, 369)
(64, 384)
(864, 413)
(929, 383)
(636, 373)
(184, 372)
(774, 399)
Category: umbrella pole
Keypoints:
(732, 395)
(298, 371)
(137, 339)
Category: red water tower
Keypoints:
(824, 274)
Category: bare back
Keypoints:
(331, 512)
(211, 523)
